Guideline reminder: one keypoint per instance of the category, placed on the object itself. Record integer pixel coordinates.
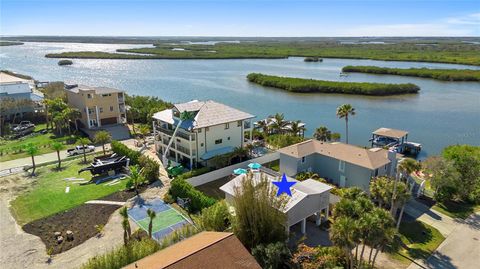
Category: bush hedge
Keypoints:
(303, 85)
(198, 200)
(440, 74)
(150, 167)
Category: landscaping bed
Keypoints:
(81, 220)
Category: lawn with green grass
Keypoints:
(417, 240)
(14, 149)
(456, 209)
(47, 195)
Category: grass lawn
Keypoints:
(47, 195)
(275, 165)
(418, 241)
(13, 149)
(456, 209)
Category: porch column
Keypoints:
(318, 218)
(251, 132)
(88, 117)
(190, 150)
(176, 151)
(154, 136)
(98, 118)
(287, 230)
(326, 213)
(304, 226)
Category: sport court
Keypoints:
(166, 221)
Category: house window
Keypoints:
(218, 141)
(201, 144)
(376, 172)
(239, 123)
(228, 138)
(303, 159)
(341, 166)
(111, 108)
(227, 125)
(89, 96)
(101, 110)
(199, 130)
(105, 95)
(207, 129)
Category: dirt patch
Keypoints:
(81, 220)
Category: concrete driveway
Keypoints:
(461, 249)
(444, 224)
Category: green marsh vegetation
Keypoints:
(440, 74)
(302, 85)
(441, 52)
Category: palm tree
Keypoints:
(32, 150)
(59, 119)
(264, 125)
(127, 232)
(103, 137)
(66, 115)
(322, 134)
(133, 113)
(136, 177)
(278, 123)
(57, 146)
(74, 115)
(382, 232)
(335, 137)
(401, 198)
(144, 131)
(342, 235)
(151, 214)
(344, 111)
(296, 128)
(84, 142)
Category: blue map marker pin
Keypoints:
(284, 186)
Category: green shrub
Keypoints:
(167, 198)
(283, 140)
(198, 200)
(123, 150)
(150, 167)
(303, 85)
(273, 255)
(124, 255)
(195, 172)
(215, 218)
(440, 74)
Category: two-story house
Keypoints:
(342, 164)
(214, 129)
(99, 106)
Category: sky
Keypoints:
(241, 18)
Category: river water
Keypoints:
(443, 113)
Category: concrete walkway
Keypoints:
(103, 202)
(461, 249)
(444, 224)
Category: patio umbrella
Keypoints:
(254, 165)
(240, 171)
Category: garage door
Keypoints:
(108, 121)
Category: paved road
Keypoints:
(48, 157)
(461, 249)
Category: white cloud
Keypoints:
(468, 25)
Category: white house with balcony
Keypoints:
(213, 129)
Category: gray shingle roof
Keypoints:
(208, 113)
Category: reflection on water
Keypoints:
(442, 113)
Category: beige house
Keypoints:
(99, 106)
(214, 129)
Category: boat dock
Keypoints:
(396, 140)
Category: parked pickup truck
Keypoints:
(79, 150)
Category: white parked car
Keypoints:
(79, 150)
